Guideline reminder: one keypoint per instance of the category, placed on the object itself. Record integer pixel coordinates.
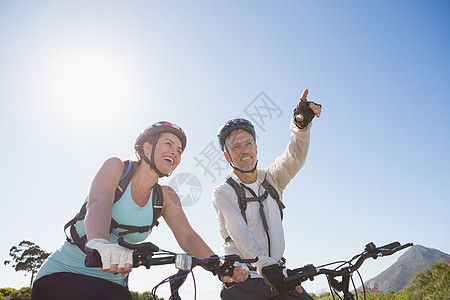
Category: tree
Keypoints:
(27, 257)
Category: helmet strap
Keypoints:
(242, 171)
(151, 161)
(236, 168)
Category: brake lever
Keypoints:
(142, 253)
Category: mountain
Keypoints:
(415, 260)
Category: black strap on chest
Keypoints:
(157, 202)
(243, 200)
(274, 194)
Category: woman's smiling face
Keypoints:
(167, 152)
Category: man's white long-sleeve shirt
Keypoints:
(250, 240)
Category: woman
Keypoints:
(64, 276)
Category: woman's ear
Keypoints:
(227, 157)
(147, 147)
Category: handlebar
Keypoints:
(371, 251)
(144, 255)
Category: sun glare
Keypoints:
(85, 86)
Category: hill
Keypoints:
(400, 274)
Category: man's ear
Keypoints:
(227, 157)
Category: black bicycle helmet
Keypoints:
(153, 131)
(232, 125)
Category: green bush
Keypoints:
(13, 294)
(144, 296)
(432, 284)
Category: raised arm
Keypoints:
(293, 158)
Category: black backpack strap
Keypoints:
(76, 239)
(158, 202)
(274, 194)
(240, 194)
(128, 170)
(79, 241)
(128, 228)
(260, 200)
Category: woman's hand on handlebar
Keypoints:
(115, 258)
(116, 269)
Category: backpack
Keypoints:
(157, 201)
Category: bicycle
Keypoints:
(346, 269)
(144, 254)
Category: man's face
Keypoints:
(242, 149)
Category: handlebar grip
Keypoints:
(403, 246)
(93, 259)
(390, 246)
(302, 276)
(398, 248)
(305, 273)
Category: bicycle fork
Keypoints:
(342, 286)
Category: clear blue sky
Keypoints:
(80, 79)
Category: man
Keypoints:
(249, 205)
